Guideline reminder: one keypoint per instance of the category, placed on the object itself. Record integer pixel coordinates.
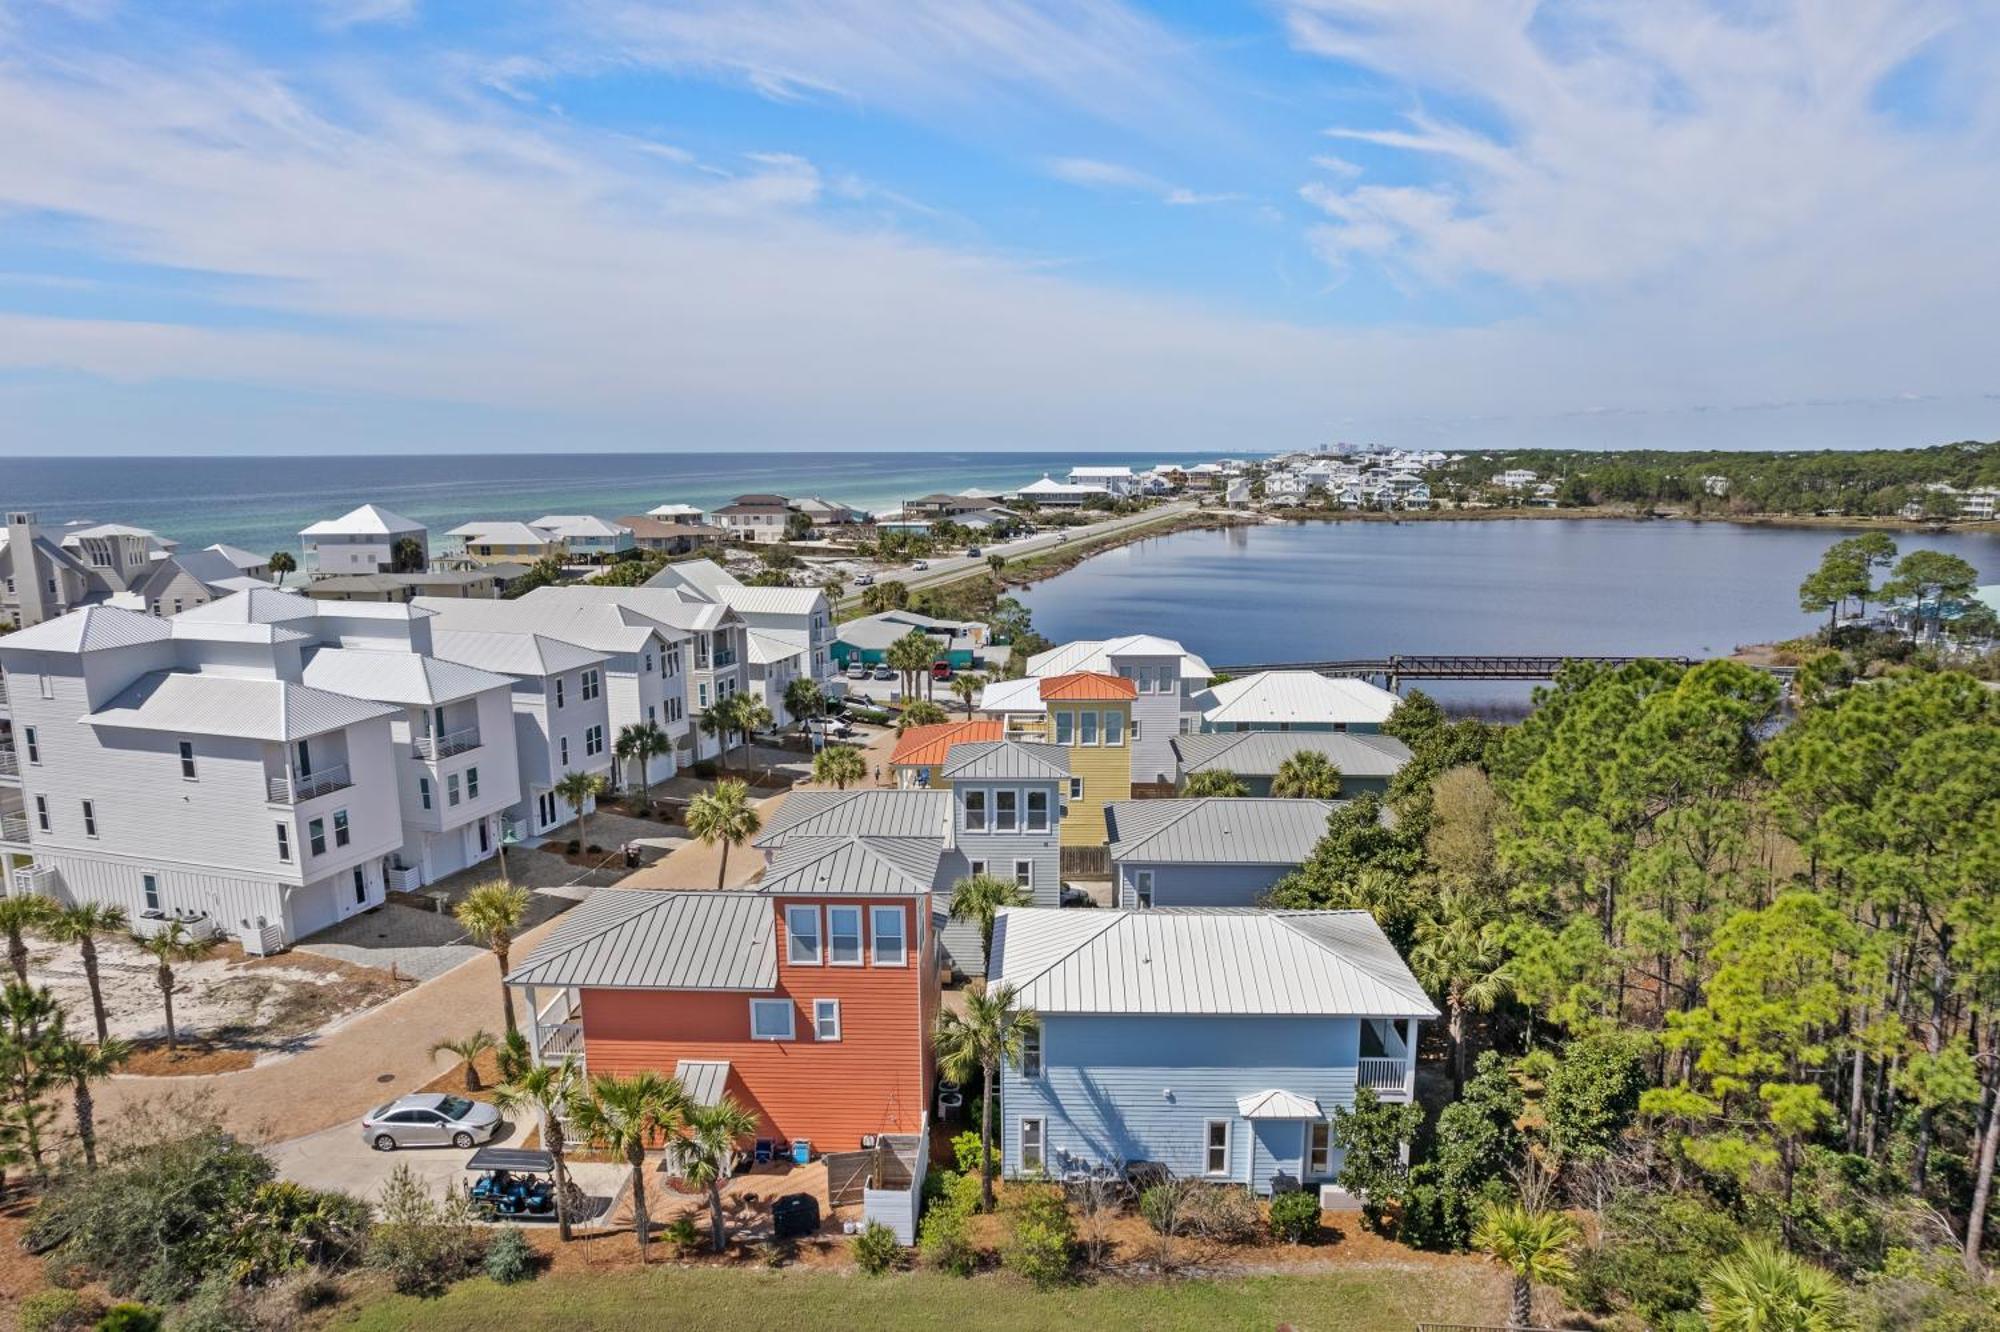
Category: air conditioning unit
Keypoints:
(867, 1141)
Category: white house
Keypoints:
(1118, 481)
(363, 541)
(684, 515)
(586, 537)
(758, 518)
(1518, 478)
(1293, 701)
(1060, 495)
(795, 624)
(500, 541)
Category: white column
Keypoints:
(1410, 1059)
(534, 1022)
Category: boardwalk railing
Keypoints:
(1448, 666)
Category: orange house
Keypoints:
(809, 1000)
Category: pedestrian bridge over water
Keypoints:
(1393, 670)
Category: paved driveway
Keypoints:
(336, 1158)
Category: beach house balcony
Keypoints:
(434, 747)
(10, 763)
(14, 826)
(37, 881)
(1387, 1065)
(323, 781)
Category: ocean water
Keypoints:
(261, 503)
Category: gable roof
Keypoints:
(236, 555)
(580, 525)
(1203, 962)
(1023, 695)
(257, 605)
(1087, 687)
(368, 520)
(1259, 753)
(230, 705)
(90, 629)
(638, 939)
(664, 606)
(923, 746)
(1295, 697)
(600, 626)
(1216, 830)
(853, 866)
(1095, 654)
(519, 654)
(864, 813)
(1006, 761)
(408, 678)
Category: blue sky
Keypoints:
(390, 225)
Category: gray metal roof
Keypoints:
(1276, 698)
(1005, 761)
(408, 678)
(522, 654)
(872, 813)
(853, 866)
(1203, 962)
(598, 625)
(704, 1080)
(1216, 830)
(260, 605)
(88, 630)
(250, 709)
(1258, 753)
(636, 939)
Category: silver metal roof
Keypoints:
(636, 939)
(260, 605)
(871, 813)
(249, 709)
(664, 606)
(704, 1080)
(522, 654)
(1258, 753)
(408, 678)
(853, 866)
(1278, 1103)
(1216, 830)
(1005, 761)
(1277, 698)
(1203, 962)
(88, 630)
(597, 625)
(1098, 654)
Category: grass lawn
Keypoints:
(1336, 1301)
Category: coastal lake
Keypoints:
(1330, 590)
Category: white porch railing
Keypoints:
(323, 782)
(10, 761)
(404, 878)
(13, 827)
(37, 881)
(1380, 1074)
(561, 1040)
(434, 747)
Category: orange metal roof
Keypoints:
(1088, 686)
(922, 746)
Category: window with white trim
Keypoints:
(978, 867)
(341, 837)
(802, 936)
(316, 836)
(559, 691)
(1038, 811)
(451, 794)
(1086, 728)
(1142, 888)
(843, 936)
(771, 1020)
(472, 783)
(1076, 788)
(564, 747)
(1065, 727)
(186, 748)
(593, 740)
(42, 813)
(1031, 1144)
(890, 945)
(591, 687)
(284, 842)
(1031, 1053)
(90, 818)
(1114, 729)
(149, 886)
(34, 744)
(1006, 811)
(975, 810)
(1024, 873)
(1215, 1148)
(424, 792)
(826, 1019)
(1319, 1148)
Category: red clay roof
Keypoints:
(923, 746)
(1087, 687)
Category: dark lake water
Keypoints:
(1308, 591)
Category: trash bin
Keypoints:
(795, 1215)
(631, 856)
(802, 1151)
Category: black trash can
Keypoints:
(795, 1216)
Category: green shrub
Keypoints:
(1295, 1216)
(1223, 1213)
(876, 1249)
(966, 1148)
(944, 1240)
(287, 1227)
(1652, 1253)
(510, 1258)
(1041, 1244)
(1591, 1096)
(130, 1318)
(1371, 1136)
(1164, 1206)
(425, 1243)
(58, 1311)
(683, 1234)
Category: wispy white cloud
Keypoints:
(354, 13)
(1093, 174)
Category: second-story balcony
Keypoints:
(431, 748)
(724, 658)
(10, 762)
(292, 790)
(13, 827)
(1385, 1075)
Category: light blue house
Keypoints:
(1007, 822)
(1208, 851)
(1216, 1043)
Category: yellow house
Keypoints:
(1090, 716)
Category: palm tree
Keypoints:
(82, 1064)
(707, 1154)
(492, 913)
(719, 719)
(18, 916)
(282, 563)
(979, 898)
(1307, 775)
(407, 555)
(752, 715)
(469, 1049)
(641, 743)
(546, 1089)
(910, 656)
(578, 790)
(166, 947)
(1764, 1289)
(1532, 1245)
(990, 1032)
(621, 1115)
(922, 712)
(804, 699)
(1214, 782)
(723, 815)
(837, 765)
(966, 686)
(1460, 955)
(80, 925)
(834, 589)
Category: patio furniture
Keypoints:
(764, 1151)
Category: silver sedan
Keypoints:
(429, 1119)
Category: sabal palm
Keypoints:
(989, 1033)
(547, 1090)
(719, 720)
(1460, 954)
(1760, 1288)
(978, 898)
(1307, 775)
(622, 1115)
(966, 686)
(910, 656)
(468, 1048)
(920, 712)
(577, 790)
(752, 715)
(837, 765)
(166, 947)
(80, 1064)
(640, 743)
(706, 1154)
(723, 814)
(1214, 782)
(1532, 1245)
(803, 699)
(20, 916)
(492, 913)
(80, 925)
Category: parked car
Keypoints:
(857, 671)
(972, 552)
(429, 1119)
(940, 670)
(884, 673)
(918, 566)
(864, 580)
(1062, 537)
